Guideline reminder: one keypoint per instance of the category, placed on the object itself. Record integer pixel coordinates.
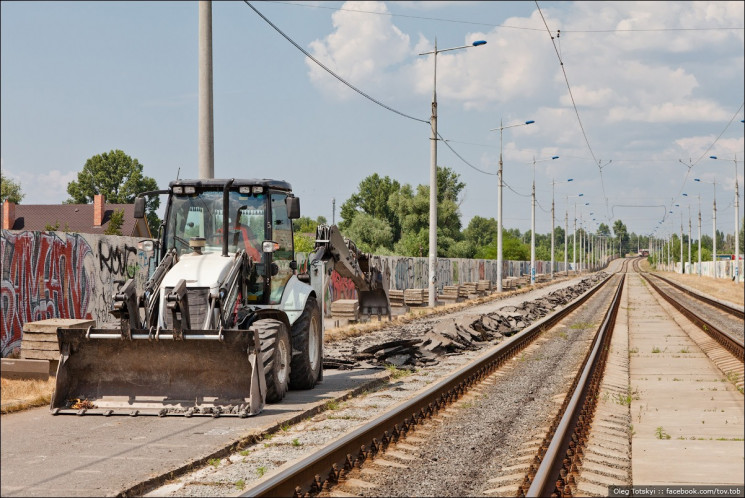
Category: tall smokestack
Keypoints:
(206, 128)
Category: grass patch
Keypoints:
(655, 349)
(332, 405)
(215, 462)
(245, 452)
(285, 427)
(240, 484)
(296, 442)
(581, 325)
(684, 350)
(25, 394)
(661, 434)
(261, 470)
(397, 373)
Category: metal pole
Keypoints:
(566, 241)
(714, 231)
(433, 192)
(699, 235)
(333, 211)
(574, 250)
(682, 265)
(689, 238)
(553, 229)
(206, 128)
(499, 214)
(737, 227)
(532, 230)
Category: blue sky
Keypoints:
(654, 83)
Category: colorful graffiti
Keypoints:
(56, 275)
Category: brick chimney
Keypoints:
(99, 208)
(9, 214)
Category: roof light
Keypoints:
(178, 190)
(257, 189)
(190, 190)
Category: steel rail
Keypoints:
(332, 463)
(552, 474)
(728, 342)
(736, 312)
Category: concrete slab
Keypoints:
(689, 422)
(44, 455)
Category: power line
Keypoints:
(574, 105)
(492, 25)
(332, 73)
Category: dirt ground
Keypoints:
(720, 288)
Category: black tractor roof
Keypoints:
(237, 182)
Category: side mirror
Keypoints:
(293, 207)
(139, 208)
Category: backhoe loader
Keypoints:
(225, 323)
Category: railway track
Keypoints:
(333, 464)
(727, 338)
(382, 452)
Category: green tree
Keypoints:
(10, 190)
(303, 243)
(603, 229)
(371, 198)
(115, 223)
(371, 234)
(620, 232)
(118, 177)
(305, 224)
(480, 231)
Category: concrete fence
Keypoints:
(721, 269)
(73, 275)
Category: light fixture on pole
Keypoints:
(532, 225)
(433, 175)
(737, 221)
(499, 200)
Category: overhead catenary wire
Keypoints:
(574, 105)
(493, 25)
(332, 73)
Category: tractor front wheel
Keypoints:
(275, 355)
(307, 345)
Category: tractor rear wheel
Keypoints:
(275, 355)
(307, 344)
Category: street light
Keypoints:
(532, 226)
(553, 229)
(714, 224)
(737, 220)
(433, 175)
(499, 200)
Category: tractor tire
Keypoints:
(307, 347)
(275, 354)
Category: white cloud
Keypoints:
(49, 187)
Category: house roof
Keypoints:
(74, 218)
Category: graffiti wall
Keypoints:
(413, 273)
(63, 275)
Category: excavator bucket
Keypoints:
(374, 303)
(205, 372)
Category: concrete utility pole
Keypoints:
(566, 242)
(689, 238)
(682, 264)
(206, 128)
(333, 210)
(699, 235)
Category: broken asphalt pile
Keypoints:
(455, 335)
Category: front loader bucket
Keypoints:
(206, 372)
(374, 302)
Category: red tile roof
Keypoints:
(76, 218)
